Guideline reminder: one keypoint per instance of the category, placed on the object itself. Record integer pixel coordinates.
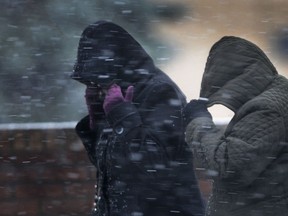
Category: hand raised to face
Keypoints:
(114, 97)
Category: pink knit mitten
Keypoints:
(114, 97)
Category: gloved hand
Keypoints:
(114, 97)
(194, 109)
(94, 99)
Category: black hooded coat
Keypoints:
(143, 165)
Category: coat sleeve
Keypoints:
(152, 157)
(244, 151)
(158, 117)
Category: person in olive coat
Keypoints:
(249, 160)
(134, 133)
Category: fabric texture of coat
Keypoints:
(249, 161)
(143, 165)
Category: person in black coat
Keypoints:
(134, 133)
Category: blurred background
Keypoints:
(44, 169)
(39, 41)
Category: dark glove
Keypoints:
(94, 99)
(114, 97)
(194, 109)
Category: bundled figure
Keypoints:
(134, 133)
(249, 161)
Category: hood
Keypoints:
(236, 71)
(107, 53)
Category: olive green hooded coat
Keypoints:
(249, 161)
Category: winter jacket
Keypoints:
(249, 161)
(143, 165)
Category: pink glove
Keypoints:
(114, 97)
